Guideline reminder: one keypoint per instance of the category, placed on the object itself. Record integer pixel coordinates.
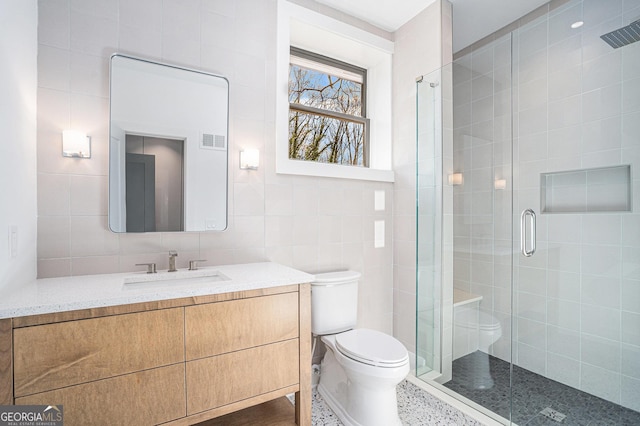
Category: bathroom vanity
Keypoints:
(177, 353)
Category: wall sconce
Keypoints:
(500, 184)
(249, 159)
(76, 144)
(456, 179)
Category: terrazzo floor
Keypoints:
(532, 393)
(416, 407)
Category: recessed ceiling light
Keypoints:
(577, 24)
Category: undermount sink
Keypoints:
(185, 277)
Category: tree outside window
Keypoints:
(327, 121)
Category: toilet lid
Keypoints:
(372, 347)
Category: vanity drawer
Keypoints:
(145, 398)
(222, 327)
(53, 356)
(224, 379)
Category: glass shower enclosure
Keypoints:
(528, 253)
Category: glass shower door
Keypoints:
(576, 306)
(482, 182)
(428, 226)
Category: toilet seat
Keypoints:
(483, 321)
(372, 347)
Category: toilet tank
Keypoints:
(334, 302)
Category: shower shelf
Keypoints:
(605, 189)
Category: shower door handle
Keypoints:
(531, 215)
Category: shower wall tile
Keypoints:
(564, 370)
(631, 263)
(631, 295)
(532, 358)
(565, 112)
(631, 61)
(599, 321)
(604, 102)
(602, 135)
(599, 352)
(565, 83)
(562, 341)
(630, 361)
(601, 291)
(597, 11)
(629, 390)
(602, 229)
(602, 71)
(533, 37)
(482, 61)
(531, 306)
(600, 382)
(601, 260)
(575, 105)
(631, 95)
(631, 328)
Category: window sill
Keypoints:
(308, 168)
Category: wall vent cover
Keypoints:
(211, 141)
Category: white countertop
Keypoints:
(62, 294)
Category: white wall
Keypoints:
(419, 50)
(313, 224)
(18, 80)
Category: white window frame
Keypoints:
(312, 31)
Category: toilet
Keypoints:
(361, 367)
(475, 330)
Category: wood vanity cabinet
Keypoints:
(176, 362)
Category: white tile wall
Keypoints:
(313, 224)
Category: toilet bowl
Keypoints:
(481, 330)
(359, 375)
(486, 326)
(361, 367)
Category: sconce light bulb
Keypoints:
(249, 159)
(76, 144)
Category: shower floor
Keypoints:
(532, 393)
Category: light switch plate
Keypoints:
(378, 235)
(379, 201)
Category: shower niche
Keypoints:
(603, 189)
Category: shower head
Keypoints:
(623, 36)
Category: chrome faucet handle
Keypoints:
(172, 260)
(193, 264)
(151, 267)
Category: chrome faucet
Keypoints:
(172, 260)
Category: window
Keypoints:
(327, 110)
(314, 32)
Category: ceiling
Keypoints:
(472, 19)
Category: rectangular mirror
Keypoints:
(168, 147)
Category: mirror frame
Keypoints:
(112, 181)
